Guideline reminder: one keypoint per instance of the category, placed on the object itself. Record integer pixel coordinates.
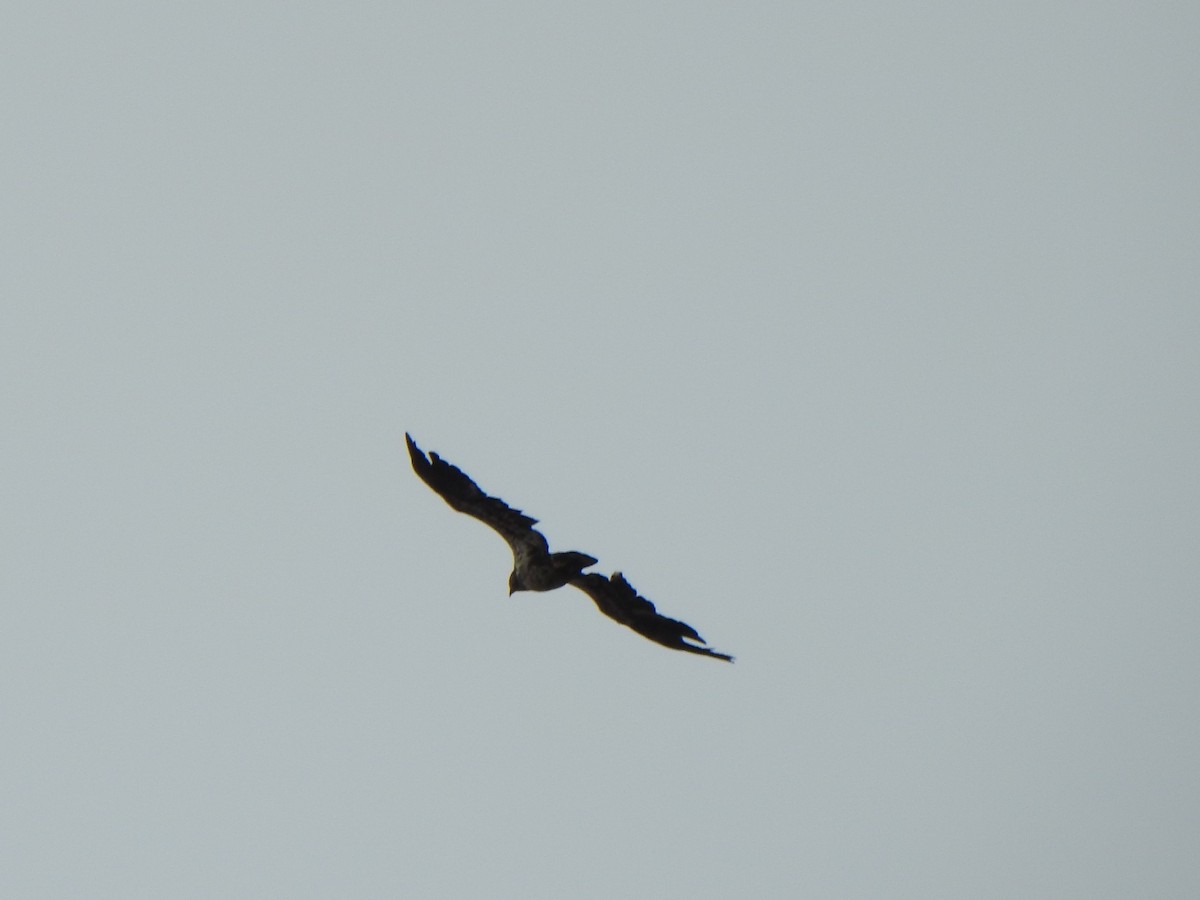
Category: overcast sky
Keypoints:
(863, 337)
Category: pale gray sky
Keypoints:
(861, 336)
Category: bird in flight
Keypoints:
(535, 568)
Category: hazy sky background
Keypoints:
(861, 336)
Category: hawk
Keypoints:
(535, 568)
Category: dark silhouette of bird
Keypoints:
(535, 568)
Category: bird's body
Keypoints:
(535, 568)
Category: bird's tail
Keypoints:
(573, 560)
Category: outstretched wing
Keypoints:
(456, 488)
(616, 598)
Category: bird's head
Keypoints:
(515, 584)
